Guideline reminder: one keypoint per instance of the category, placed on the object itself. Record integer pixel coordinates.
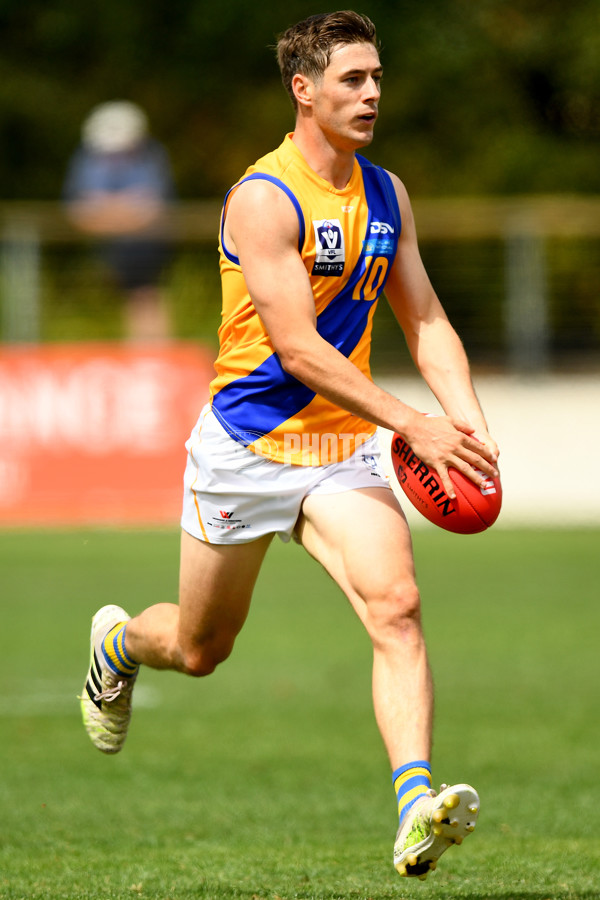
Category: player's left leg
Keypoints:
(362, 539)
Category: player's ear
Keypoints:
(302, 87)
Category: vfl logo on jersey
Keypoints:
(330, 249)
(380, 241)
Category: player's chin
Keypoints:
(363, 136)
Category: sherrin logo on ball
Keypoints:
(472, 510)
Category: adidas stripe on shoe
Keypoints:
(106, 697)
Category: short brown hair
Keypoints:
(306, 48)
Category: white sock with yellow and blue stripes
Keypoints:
(115, 654)
(411, 782)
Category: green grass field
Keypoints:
(268, 780)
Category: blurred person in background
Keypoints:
(117, 190)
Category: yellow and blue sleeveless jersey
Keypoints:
(347, 240)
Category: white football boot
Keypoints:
(106, 697)
(432, 824)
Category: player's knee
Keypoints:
(406, 603)
(395, 614)
(200, 660)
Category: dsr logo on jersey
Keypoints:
(381, 228)
(380, 241)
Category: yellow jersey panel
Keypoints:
(347, 240)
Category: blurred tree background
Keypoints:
(492, 97)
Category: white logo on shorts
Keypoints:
(225, 521)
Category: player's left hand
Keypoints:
(488, 442)
(444, 442)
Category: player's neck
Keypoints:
(333, 164)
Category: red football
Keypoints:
(474, 509)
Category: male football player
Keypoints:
(310, 238)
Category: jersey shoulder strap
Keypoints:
(262, 176)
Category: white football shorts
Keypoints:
(232, 495)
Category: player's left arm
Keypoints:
(434, 345)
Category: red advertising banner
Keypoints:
(95, 433)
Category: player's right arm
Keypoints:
(261, 229)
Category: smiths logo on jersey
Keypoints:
(330, 253)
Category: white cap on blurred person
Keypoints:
(114, 127)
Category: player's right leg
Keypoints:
(216, 584)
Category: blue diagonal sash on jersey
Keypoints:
(255, 404)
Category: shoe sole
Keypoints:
(454, 817)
